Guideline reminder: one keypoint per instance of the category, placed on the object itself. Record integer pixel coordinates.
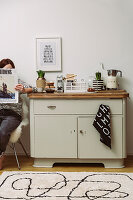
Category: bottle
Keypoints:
(60, 83)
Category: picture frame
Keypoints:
(8, 81)
(48, 54)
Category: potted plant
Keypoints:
(98, 76)
(98, 82)
(41, 81)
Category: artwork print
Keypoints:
(48, 54)
(8, 81)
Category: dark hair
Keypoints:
(5, 62)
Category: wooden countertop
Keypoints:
(111, 94)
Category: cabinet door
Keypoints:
(55, 136)
(89, 144)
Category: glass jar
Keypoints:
(90, 83)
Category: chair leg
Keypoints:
(16, 155)
(23, 148)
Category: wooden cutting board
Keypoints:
(111, 91)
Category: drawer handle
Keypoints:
(51, 107)
(81, 131)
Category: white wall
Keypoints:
(92, 31)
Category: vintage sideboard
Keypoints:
(61, 128)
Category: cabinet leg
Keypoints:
(112, 163)
(40, 162)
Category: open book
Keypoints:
(8, 81)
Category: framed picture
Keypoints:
(8, 81)
(48, 54)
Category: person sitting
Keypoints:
(11, 113)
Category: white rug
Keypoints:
(66, 186)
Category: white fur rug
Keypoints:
(66, 186)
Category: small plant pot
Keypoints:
(97, 84)
(40, 83)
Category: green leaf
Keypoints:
(41, 74)
(98, 75)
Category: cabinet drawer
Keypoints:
(86, 106)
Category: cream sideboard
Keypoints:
(61, 129)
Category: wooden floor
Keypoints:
(26, 165)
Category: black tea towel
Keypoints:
(102, 124)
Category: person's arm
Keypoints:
(24, 87)
(28, 90)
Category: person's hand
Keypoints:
(20, 88)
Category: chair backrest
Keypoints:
(16, 134)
